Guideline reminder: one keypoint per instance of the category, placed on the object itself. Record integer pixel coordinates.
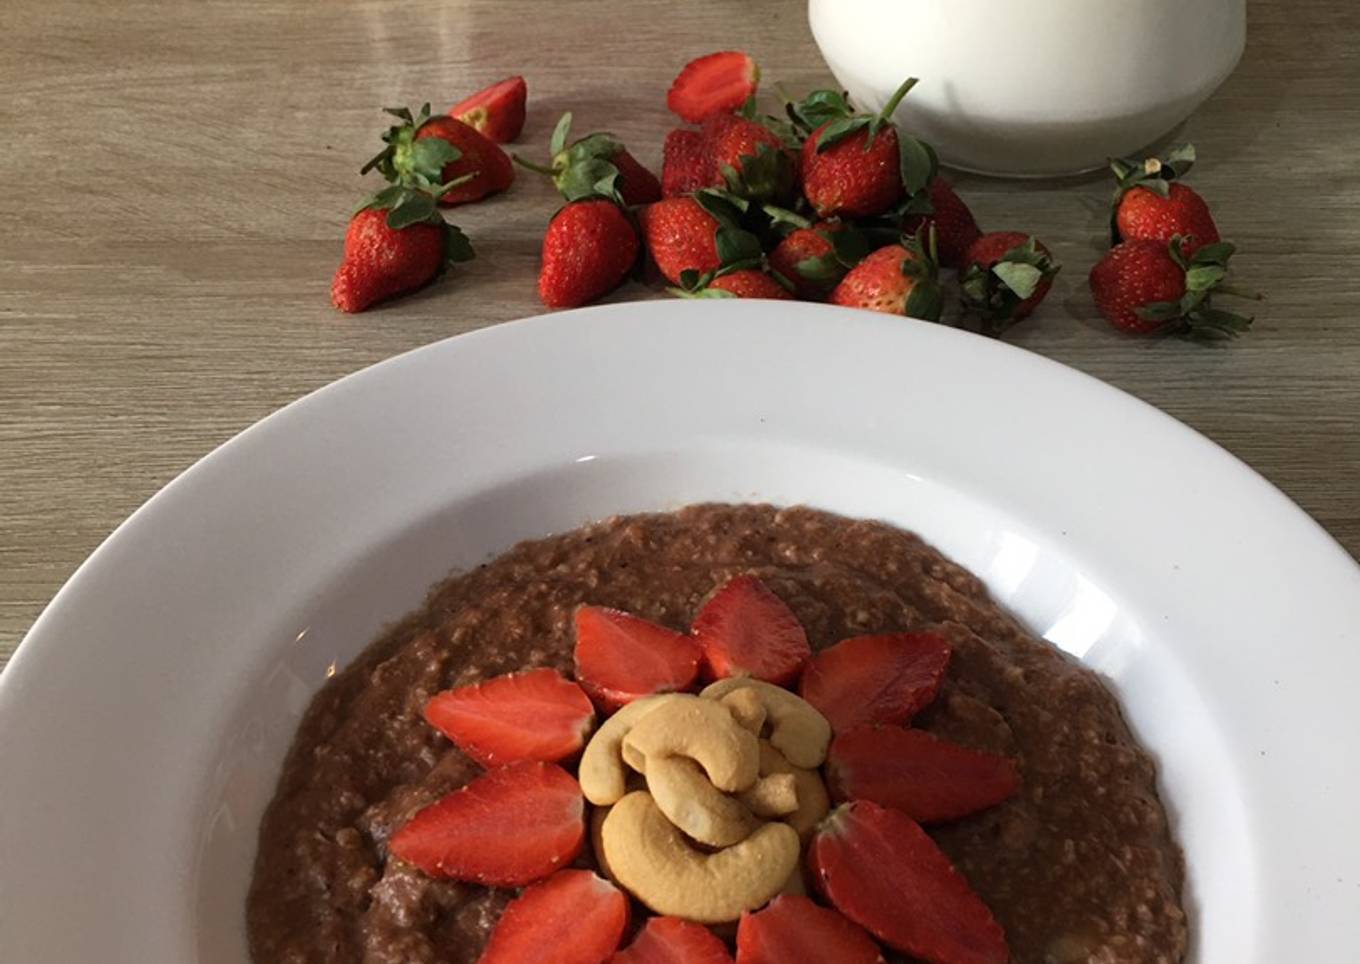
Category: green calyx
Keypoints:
(926, 298)
(842, 122)
(766, 175)
(848, 248)
(993, 294)
(407, 205)
(1193, 316)
(694, 284)
(583, 169)
(410, 161)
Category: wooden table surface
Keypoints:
(178, 176)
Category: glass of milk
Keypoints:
(1031, 88)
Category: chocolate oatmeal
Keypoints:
(1079, 866)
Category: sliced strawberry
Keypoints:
(717, 82)
(881, 870)
(746, 630)
(573, 917)
(510, 826)
(621, 657)
(535, 715)
(927, 778)
(876, 679)
(793, 928)
(670, 940)
(496, 111)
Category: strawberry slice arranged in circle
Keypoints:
(881, 870)
(621, 657)
(535, 715)
(573, 917)
(747, 630)
(876, 679)
(671, 940)
(793, 928)
(509, 827)
(928, 779)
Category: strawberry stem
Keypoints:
(886, 113)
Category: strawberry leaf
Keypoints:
(823, 269)
(918, 164)
(818, 108)
(1202, 277)
(725, 207)
(1022, 279)
(558, 141)
(926, 301)
(457, 247)
(414, 208)
(839, 130)
(736, 246)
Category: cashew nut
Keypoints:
(797, 730)
(651, 859)
(683, 793)
(813, 801)
(702, 730)
(746, 708)
(772, 796)
(602, 775)
(598, 815)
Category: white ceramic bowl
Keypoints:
(1033, 88)
(144, 719)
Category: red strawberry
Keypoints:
(955, 227)
(853, 164)
(510, 826)
(573, 917)
(810, 249)
(928, 779)
(876, 679)
(681, 236)
(589, 248)
(1146, 286)
(749, 157)
(900, 279)
(686, 164)
(881, 870)
(534, 715)
(430, 153)
(497, 112)
(1004, 276)
(716, 83)
(746, 630)
(741, 283)
(621, 657)
(395, 245)
(793, 928)
(595, 166)
(670, 940)
(1149, 205)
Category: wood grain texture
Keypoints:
(179, 174)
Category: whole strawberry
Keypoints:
(424, 151)
(395, 243)
(857, 165)
(955, 226)
(899, 279)
(597, 165)
(1150, 204)
(699, 235)
(588, 250)
(750, 158)
(815, 259)
(1146, 287)
(1004, 276)
(686, 165)
(497, 112)
(741, 283)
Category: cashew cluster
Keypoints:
(731, 792)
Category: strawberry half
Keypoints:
(510, 826)
(497, 112)
(929, 779)
(876, 679)
(671, 940)
(793, 928)
(573, 917)
(746, 630)
(881, 870)
(621, 657)
(534, 715)
(716, 83)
